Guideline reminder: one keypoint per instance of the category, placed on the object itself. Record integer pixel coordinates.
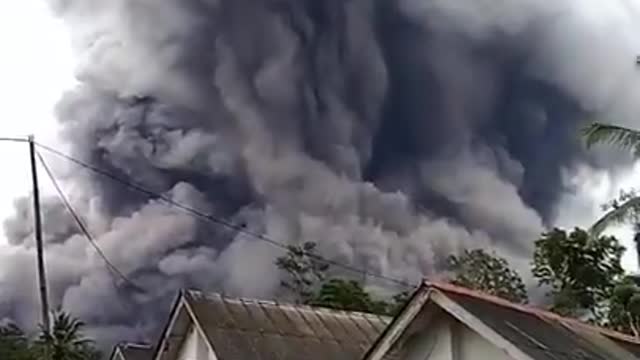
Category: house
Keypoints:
(444, 322)
(211, 327)
(439, 322)
(129, 351)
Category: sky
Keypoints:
(585, 206)
(37, 67)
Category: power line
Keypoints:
(111, 267)
(14, 139)
(216, 220)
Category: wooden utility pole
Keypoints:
(42, 278)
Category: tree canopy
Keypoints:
(305, 270)
(14, 344)
(581, 271)
(347, 295)
(65, 341)
(489, 273)
(583, 275)
(625, 209)
(624, 308)
(307, 280)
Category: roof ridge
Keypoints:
(529, 309)
(126, 345)
(275, 302)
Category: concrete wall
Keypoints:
(448, 339)
(195, 347)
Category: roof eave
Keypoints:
(464, 316)
(178, 305)
(400, 322)
(426, 293)
(114, 352)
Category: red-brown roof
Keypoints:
(543, 314)
(531, 332)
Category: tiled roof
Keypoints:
(253, 329)
(541, 334)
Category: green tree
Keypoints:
(307, 279)
(626, 208)
(489, 273)
(582, 271)
(624, 308)
(66, 340)
(398, 301)
(305, 270)
(348, 295)
(14, 344)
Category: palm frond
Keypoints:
(600, 133)
(621, 213)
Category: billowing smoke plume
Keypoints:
(392, 133)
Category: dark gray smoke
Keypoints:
(392, 133)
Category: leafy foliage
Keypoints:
(65, 341)
(14, 344)
(624, 308)
(624, 303)
(398, 301)
(347, 295)
(624, 209)
(304, 268)
(582, 271)
(625, 138)
(489, 273)
(308, 281)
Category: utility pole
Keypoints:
(42, 279)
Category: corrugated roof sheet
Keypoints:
(540, 334)
(264, 330)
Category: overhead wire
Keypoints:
(213, 219)
(14, 139)
(198, 214)
(85, 230)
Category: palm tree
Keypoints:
(66, 341)
(623, 137)
(627, 208)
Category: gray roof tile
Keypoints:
(262, 330)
